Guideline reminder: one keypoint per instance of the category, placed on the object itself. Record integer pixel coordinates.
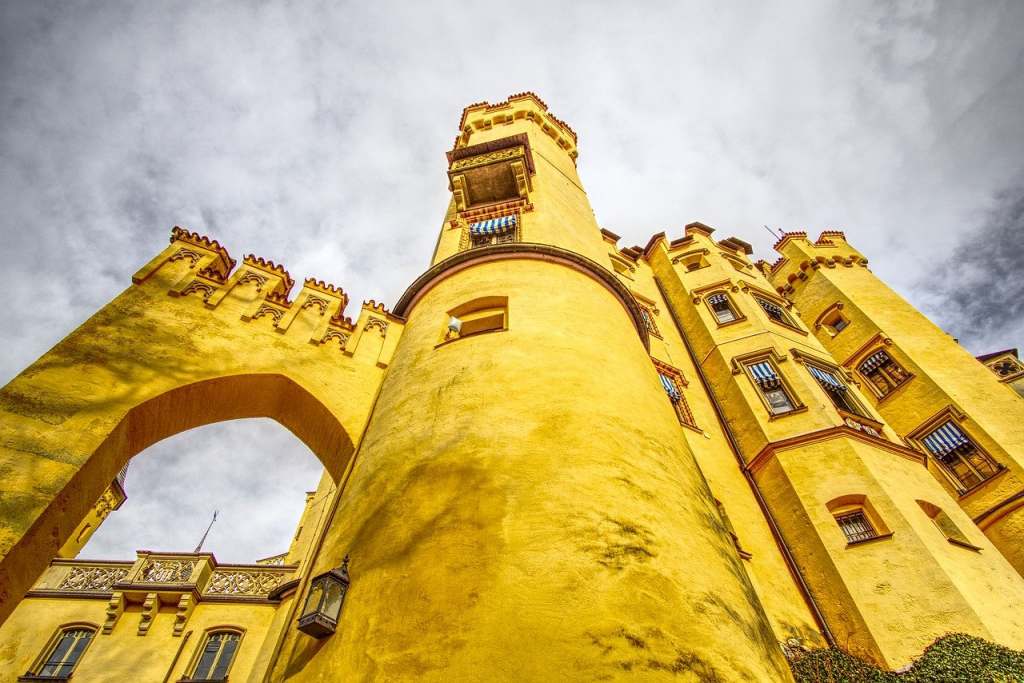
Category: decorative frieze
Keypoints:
(98, 579)
(166, 571)
(243, 582)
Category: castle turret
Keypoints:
(928, 387)
(522, 504)
(848, 495)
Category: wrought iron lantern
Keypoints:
(323, 603)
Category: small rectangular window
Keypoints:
(774, 311)
(855, 526)
(768, 382)
(959, 455)
(495, 231)
(836, 389)
(882, 372)
(721, 307)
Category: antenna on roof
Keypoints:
(772, 232)
(206, 533)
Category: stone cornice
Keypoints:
(772, 449)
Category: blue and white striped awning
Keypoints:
(495, 226)
(873, 361)
(764, 374)
(718, 298)
(826, 379)
(670, 387)
(945, 439)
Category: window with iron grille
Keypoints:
(836, 389)
(882, 372)
(722, 307)
(672, 382)
(856, 526)
(64, 653)
(959, 456)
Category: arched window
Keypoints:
(486, 314)
(215, 657)
(946, 525)
(64, 652)
(857, 519)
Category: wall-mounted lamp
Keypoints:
(323, 603)
(454, 327)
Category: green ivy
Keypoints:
(953, 658)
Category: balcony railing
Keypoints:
(197, 573)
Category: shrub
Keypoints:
(953, 658)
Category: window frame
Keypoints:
(729, 302)
(949, 416)
(681, 406)
(479, 309)
(833, 312)
(197, 656)
(935, 514)
(42, 660)
(847, 506)
(788, 321)
(855, 409)
(744, 364)
(866, 377)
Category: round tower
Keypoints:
(522, 505)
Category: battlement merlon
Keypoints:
(196, 264)
(526, 106)
(800, 255)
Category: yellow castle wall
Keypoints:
(945, 374)
(124, 656)
(527, 491)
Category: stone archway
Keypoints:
(188, 344)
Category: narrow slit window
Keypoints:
(721, 307)
(959, 456)
(771, 387)
(217, 654)
(65, 653)
(856, 526)
(882, 372)
(672, 382)
(648, 316)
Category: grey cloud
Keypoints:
(978, 292)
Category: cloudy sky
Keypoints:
(314, 134)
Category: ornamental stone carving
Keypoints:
(166, 571)
(99, 579)
(243, 582)
(488, 158)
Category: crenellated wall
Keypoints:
(194, 340)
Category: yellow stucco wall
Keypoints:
(524, 504)
(123, 655)
(829, 271)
